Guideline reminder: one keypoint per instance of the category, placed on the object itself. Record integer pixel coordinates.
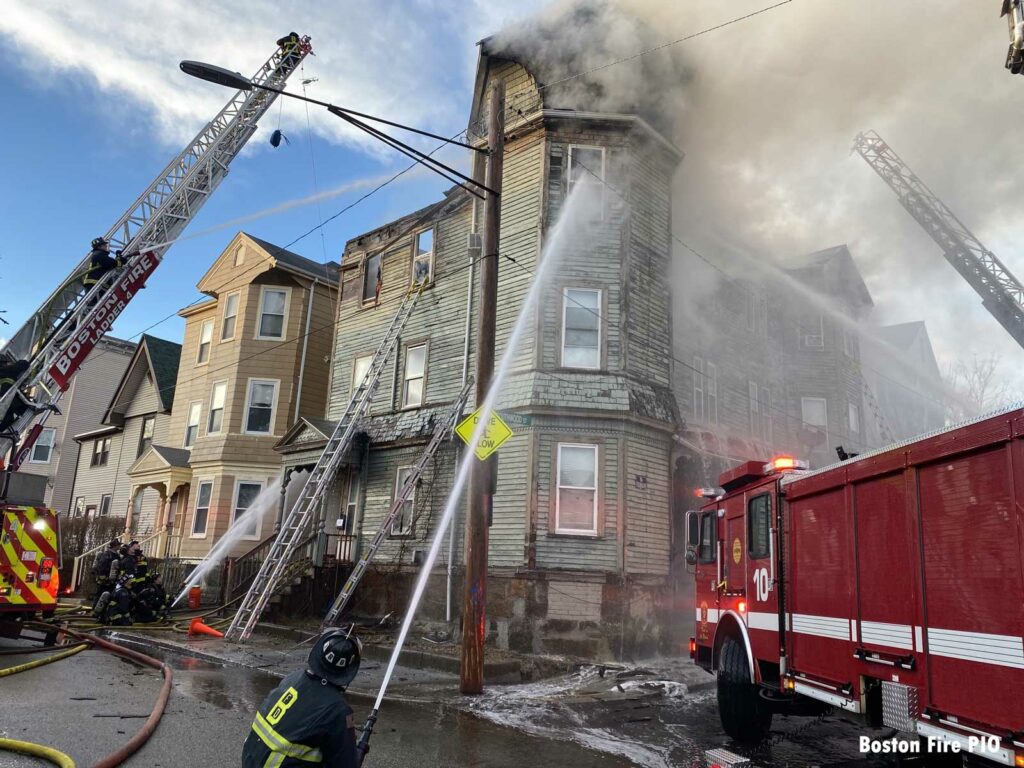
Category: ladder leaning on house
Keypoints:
(442, 432)
(884, 431)
(268, 578)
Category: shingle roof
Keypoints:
(164, 356)
(176, 457)
(328, 271)
(901, 335)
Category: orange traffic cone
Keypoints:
(196, 627)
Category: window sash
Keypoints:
(44, 441)
(359, 368)
(227, 328)
(581, 328)
(195, 414)
(415, 373)
(100, 452)
(423, 257)
(698, 388)
(272, 313)
(250, 524)
(216, 421)
(576, 490)
(200, 518)
(403, 522)
(205, 341)
(259, 411)
(371, 271)
(104, 509)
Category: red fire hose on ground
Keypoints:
(139, 739)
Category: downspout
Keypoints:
(305, 344)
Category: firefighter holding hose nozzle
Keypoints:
(306, 719)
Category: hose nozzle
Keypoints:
(364, 739)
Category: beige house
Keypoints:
(254, 359)
(136, 422)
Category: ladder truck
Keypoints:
(55, 340)
(887, 587)
(1014, 14)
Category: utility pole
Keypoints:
(481, 483)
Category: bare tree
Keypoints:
(979, 387)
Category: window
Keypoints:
(79, 507)
(371, 277)
(246, 492)
(415, 370)
(146, 434)
(854, 419)
(759, 525)
(227, 325)
(576, 499)
(812, 333)
(192, 425)
(711, 394)
(273, 306)
(359, 369)
(43, 448)
(581, 328)
(403, 524)
(239, 256)
(352, 499)
(849, 342)
(586, 168)
(100, 452)
(104, 505)
(814, 414)
(705, 391)
(137, 504)
(205, 337)
(423, 257)
(698, 388)
(706, 550)
(259, 410)
(199, 519)
(216, 420)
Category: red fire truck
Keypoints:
(889, 586)
(29, 562)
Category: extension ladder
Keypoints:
(443, 431)
(876, 410)
(58, 336)
(268, 578)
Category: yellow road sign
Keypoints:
(493, 438)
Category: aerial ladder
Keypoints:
(442, 432)
(318, 484)
(1001, 293)
(60, 334)
(1014, 14)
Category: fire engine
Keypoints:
(29, 563)
(888, 587)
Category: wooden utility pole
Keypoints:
(481, 487)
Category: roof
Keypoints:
(282, 256)
(164, 357)
(901, 335)
(840, 262)
(314, 432)
(176, 457)
(92, 434)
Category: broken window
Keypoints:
(423, 257)
(581, 328)
(403, 523)
(415, 372)
(371, 277)
(576, 498)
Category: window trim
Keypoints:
(248, 405)
(356, 359)
(600, 328)
(430, 256)
(405, 380)
(49, 455)
(94, 459)
(208, 323)
(195, 508)
(223, 409)
(225, 316)
(759, 555)
(199, 424)
(595, 532)
(284, 319)
(410, 532)
(363, 301)
(109, 498)
(149, 417)
(711, 515)
(239, 481)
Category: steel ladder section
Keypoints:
(876, 410)
(156, 218)
(268, 577)
(443, 431)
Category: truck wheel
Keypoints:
(743, 716)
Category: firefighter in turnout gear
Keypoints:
(100, 262)
(306, 718)
(101, 568)
(153, 603)
(140, 576)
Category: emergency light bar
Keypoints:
(785, 464)
(706, 493)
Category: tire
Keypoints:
(743, 715)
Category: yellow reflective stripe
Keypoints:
(280, 745)
(8, 555)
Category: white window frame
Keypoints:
(199, 423)
(234, 507)
(569, 183)
(803, 412)
(600, 325)
(195, 510)
(223, 408)
(287, 291)
(49, 454)
(410, 531)
(558, 488)
(853, 414)
(355, 368)
(812, 340)
(107, 499)
(428, 257)
(95, 454)
(423, 377)
(276, 383)
(209, 344)
(237, 296)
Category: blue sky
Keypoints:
(82, 140)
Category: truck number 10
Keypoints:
(761, 584)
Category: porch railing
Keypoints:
(153, 546)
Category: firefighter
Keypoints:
(10, 372)
(289, 45)
(101, 568)
(140, 575)
(119, 606)
(20, 404)
(306, 718)
(153, 602)
(100, 262)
